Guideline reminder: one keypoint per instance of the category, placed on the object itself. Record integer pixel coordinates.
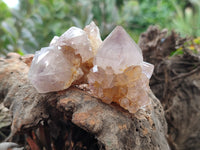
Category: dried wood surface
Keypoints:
(176, 83)
(73, 118)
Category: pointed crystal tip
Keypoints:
(119, 73)
(118, 51)
(94, 36)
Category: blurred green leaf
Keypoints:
(44, 12)
(4, 12)
(177, 52)
(36, 19)
(36, 22)
(20, 52)
(9, 28)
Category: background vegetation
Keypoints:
(34, 23)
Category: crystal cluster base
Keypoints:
(114, 68)
(128, 89)
(119, 74)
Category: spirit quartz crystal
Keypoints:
(114, 68)
(66, 61)
(119, 73)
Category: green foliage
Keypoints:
(140, 14)
(179, 51)
(4, 11)
(4, 40)
(192, 45)
(187, 21)
(35, 22)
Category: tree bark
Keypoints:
(176, 82)
(59, 118)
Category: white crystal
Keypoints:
(118, 51)
(77, 39)
(94, 36)
(54, 40)
(66, 61)
(50, 70)
(95, 69)
(147, 69)
(119, 74)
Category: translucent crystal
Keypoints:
(66, 61)
(147, 69)
(77, 39)
(51, 70)
(54, 40)
(94, 36)
(119, 73)
(119, 51)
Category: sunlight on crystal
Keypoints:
(95, 69)
(114, 68)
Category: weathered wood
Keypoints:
(111, 126)
(176, 82)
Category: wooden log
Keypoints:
(176, 82)
(63, 116)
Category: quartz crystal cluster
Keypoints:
(119, 73)
(114, 68)
(66, 61)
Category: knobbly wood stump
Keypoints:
(73, 119)
(176, 82)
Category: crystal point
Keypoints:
(114, 68)
(147, 69)
(119, 51)
(76, 39)
(94, 36)
(119, 74)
